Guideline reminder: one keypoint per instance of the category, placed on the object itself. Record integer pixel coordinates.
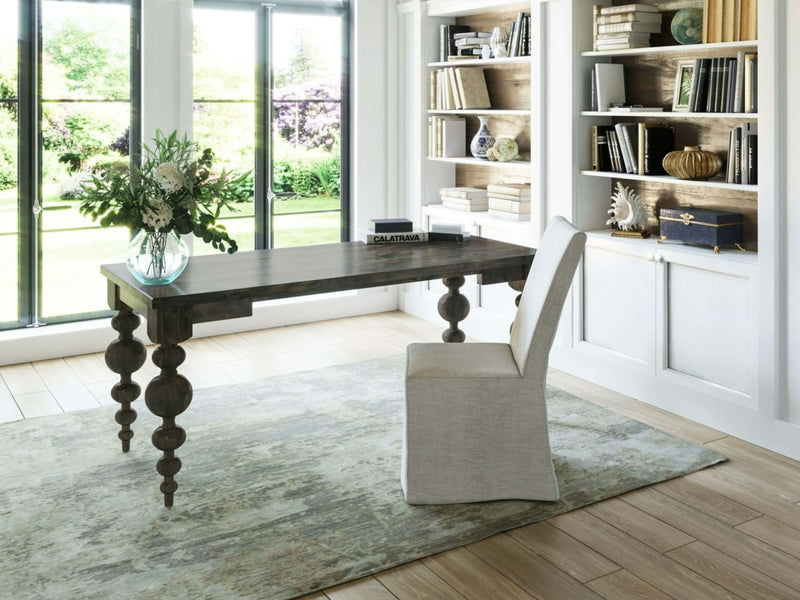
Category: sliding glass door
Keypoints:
(67, 112)
(270, 88)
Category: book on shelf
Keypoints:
(471, 34)
(391, 225)
(454, 138)
(463, 192)
(466, 204)
(447, 45)
(634, 109)
(750, 84)
(623, 45)
(748, 150)
(610, 85)
(628, 145)
(512, 206)
(601, 158)
(614, 151)
(629, 17)
(512, 189)
(472, 88)
(500, 196)
(467, 41)
(624, 8)
(655, 142)
(729, 20)
(509, 216)
(637, 26)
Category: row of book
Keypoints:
(637, 148)
(724, 84)
(742, 164)
(503, 200)
(447, 136)
(458, 88)
(626, 26)
(729, 20)
(461, 41)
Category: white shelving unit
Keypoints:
(515, 91)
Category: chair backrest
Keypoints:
(544, 293)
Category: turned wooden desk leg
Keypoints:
(124, 356)
(453, 307)
(167, 396)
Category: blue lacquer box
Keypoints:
(704, 226)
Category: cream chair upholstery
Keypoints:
(475, 424)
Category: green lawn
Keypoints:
(74, 247)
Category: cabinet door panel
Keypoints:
(708, 332)
(618, 302)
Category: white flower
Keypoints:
(168, 177)
(157, 215)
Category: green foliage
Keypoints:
(93, 62)
(173, 189)
(8, 150)
(305, 173)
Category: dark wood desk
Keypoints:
(218, 287)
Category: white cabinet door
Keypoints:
(618, 305)
(705, 316)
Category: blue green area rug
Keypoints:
(289, 484)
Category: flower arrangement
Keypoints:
(173, 189)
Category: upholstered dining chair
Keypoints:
(475, 425)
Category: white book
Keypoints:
(509, 205)
(463, 192)
(463, 201)
(613, 10)
(454, 138)
(466, 207)
(610, 82)
(512, 189)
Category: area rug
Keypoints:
(289, 485)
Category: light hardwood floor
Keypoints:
(727, 532)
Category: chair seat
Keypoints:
(454, 360)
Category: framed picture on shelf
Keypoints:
(683, 86)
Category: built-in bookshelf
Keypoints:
(512, 96)
(650, 81)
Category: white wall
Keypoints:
(167, 105)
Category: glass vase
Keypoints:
(157, 257)
(483, 140)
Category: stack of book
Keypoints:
(627, 26)
(465, 198)
(743, 154)
(458, 88)
(510, 200)
(637, 148)
(729, 20)
(469, 43)
(724, 84)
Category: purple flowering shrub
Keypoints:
(308, 115)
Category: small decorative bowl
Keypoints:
(692, 163)
(687, 26)
(505, 148)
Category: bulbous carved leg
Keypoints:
(453, 307)
(517, 286)
(124, 356)
(168, 395)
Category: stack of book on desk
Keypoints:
(627, 26)
(510, 200)
(465, 198)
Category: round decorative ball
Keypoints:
(692, 163)
(687, 26)
(505, 148)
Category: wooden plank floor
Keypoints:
(728, 532)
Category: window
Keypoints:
(68, 111)
(270, 89)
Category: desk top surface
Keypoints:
(286, 272)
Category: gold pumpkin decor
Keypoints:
(692, 163)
